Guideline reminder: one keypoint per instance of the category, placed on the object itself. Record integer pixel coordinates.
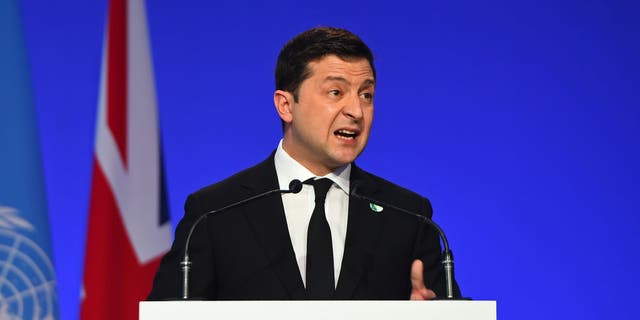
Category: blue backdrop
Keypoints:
(520, 120)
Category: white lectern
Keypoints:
(318, 310)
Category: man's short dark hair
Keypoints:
(314, 44)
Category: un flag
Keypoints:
(27, 279)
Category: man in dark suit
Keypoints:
(313, 244)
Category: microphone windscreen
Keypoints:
(295, 186)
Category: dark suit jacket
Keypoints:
(246, 253)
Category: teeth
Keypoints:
(345, 134)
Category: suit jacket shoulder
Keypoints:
(249, 182)
(383, 190)
(259, 178)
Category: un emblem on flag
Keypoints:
(27, 281)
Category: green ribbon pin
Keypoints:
(375, 208)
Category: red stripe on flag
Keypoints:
(117, 75)
(114, 281)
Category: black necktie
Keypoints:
(320, 279)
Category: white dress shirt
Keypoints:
(299, 207)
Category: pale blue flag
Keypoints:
(27, 278)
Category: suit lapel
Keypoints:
(267, 219)
(268, 222)
(363, 228)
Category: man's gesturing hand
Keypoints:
(418, 290)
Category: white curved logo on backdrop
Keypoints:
(27, 279)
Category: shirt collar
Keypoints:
(287, 169)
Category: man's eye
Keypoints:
(334, 92)
(367, 96)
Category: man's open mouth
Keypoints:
(346, 134)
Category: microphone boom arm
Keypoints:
(185, 265)
(447, 255)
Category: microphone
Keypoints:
(447, 255)
(295, 186)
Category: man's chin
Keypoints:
(343, 160)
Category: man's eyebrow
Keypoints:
(335, 78)
(367, 82)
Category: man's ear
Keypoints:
(283, 101)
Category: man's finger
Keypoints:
(417, 275)
(418, 289)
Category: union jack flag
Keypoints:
(129, 228)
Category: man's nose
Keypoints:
(353, 108)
